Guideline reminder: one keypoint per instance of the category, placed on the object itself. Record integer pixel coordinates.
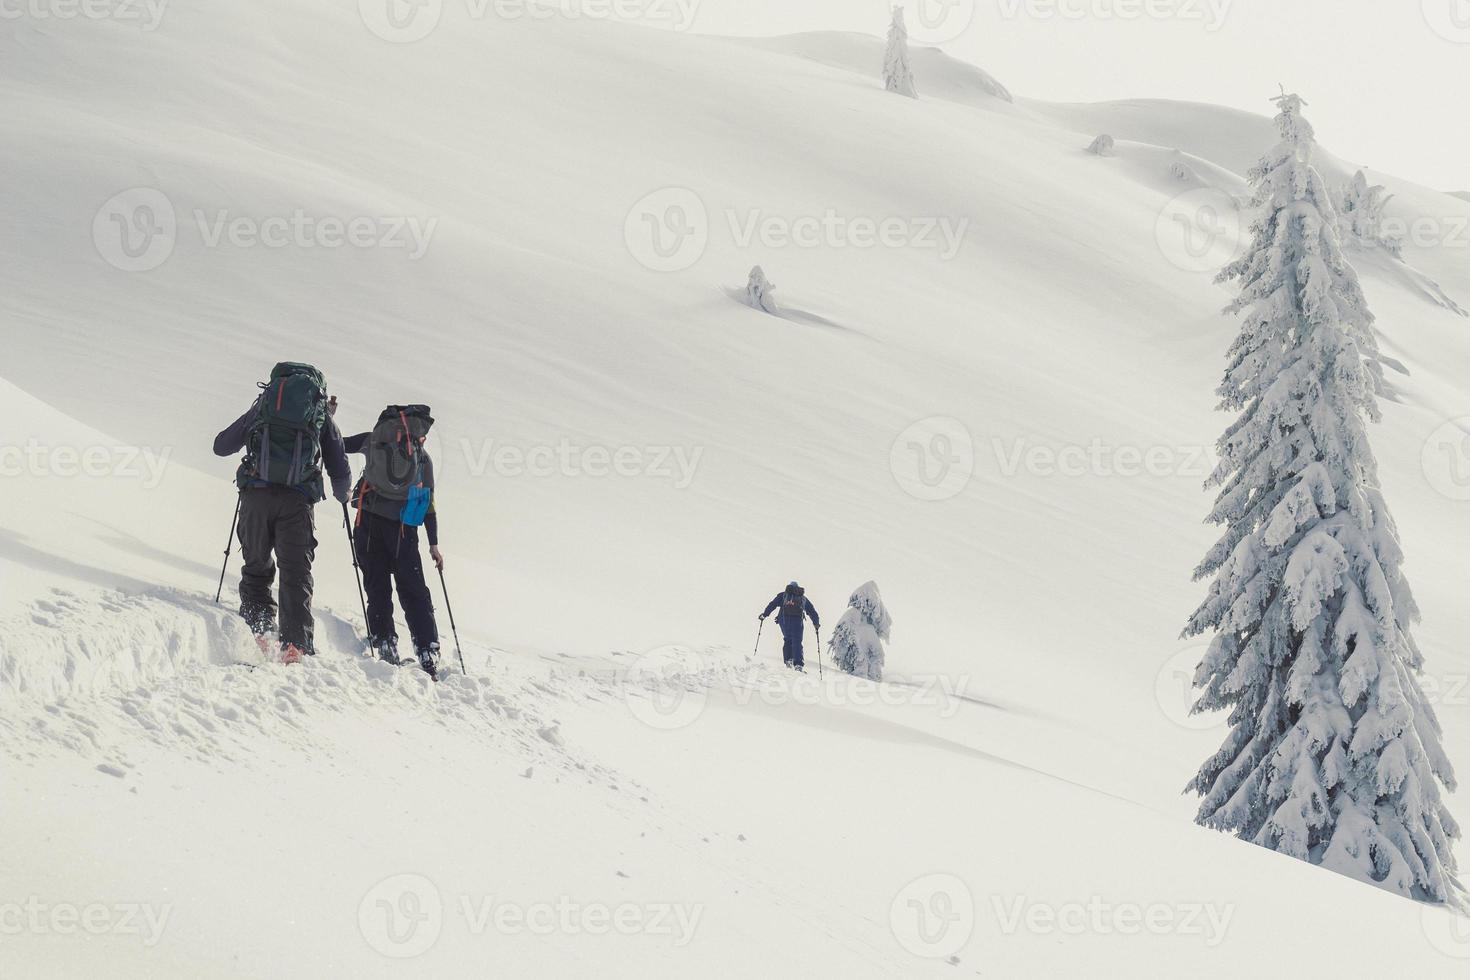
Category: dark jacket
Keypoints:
(808, 608)
(363, 499)
(334, 458)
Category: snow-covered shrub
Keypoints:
(1333, 754)
(1179, 170)
(1102, 146)
(857, 643)
(759, 291)
(897, 75)
(1360, 215)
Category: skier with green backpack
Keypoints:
(289, 438)
(394, 498)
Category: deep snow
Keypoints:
(270, 810)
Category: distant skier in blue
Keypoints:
(795, 607)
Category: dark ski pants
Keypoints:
(277, 528)
(794, 632)
(388, 552)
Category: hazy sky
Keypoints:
(1388, 80)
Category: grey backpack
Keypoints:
(397, 467)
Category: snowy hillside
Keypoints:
(1003, 414)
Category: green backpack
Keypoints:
(283, 445)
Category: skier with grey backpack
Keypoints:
(394, 498)
(289, 438)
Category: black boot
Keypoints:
(429, 659)
(386, 649)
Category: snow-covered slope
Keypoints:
(266, 806)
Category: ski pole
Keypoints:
(821, 676)
(452, 628)
(356, 569)
(758, 633)
(229, 545)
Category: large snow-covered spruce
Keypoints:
(898, 76)
(1333, 754)
(857, 643)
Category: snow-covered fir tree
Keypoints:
(1103, 146)
(857, 642)
(897, 75)
(1360, 207)
(760, 292)
(1333, 754)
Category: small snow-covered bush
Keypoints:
(898, 77)
(1360, 215)
(1103, 146)
(759, 292)
(857, 643)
